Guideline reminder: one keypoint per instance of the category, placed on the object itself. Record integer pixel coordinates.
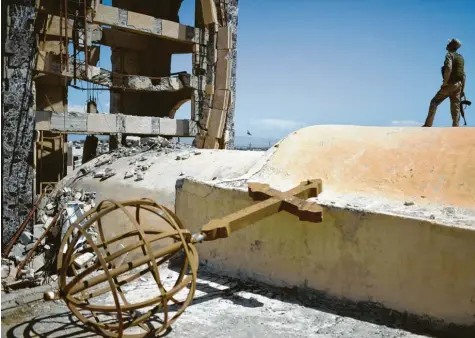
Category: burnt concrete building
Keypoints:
(48, 45)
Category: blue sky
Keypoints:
(361, 62)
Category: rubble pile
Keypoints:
(135, 146)
(31, 260)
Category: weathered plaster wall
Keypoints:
(18, 116)
(405, 264)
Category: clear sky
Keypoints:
(361, 62)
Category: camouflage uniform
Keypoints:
(453, 84)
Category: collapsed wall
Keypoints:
(18, 114)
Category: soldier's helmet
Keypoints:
(455, 43)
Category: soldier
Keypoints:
(453, 84)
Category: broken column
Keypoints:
(89, 150)
(18, 115)
(214, 109)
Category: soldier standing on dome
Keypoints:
(453, 85)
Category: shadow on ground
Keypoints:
(370, 312)
(65, 324)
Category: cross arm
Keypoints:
(272, 201)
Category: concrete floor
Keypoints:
(222, 307)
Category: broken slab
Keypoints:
(26, 238)
(49, 63)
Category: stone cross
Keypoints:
(272, 201)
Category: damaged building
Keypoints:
(333, 231)
(50, 45)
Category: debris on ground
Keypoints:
(30, 260)
(142, 149)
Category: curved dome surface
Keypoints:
(435, 165)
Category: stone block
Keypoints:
(225, 40)
(38, 230)
(168, 127)
(101, 123)
(177, 31)
(69, 121)
(138, 124)
(221, 99)
(209, 89)
(38, 262)
(141, 22)
(17, 250)
(209, 12)
(26, 238)
(216, 122)
(53, 26)
(223, 70)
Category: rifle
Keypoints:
(462, 111)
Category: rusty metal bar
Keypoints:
(22, 227)
(66, 32)
(60, 35)
(30, 253)
(85, 38)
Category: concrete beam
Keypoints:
(48, 63)
(51, 26)
(111, 37)
(81, 123)
(131, 40)
(145, 24)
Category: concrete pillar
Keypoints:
(232, 13)
(89, 150)
(51, 95)
(18, 58)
